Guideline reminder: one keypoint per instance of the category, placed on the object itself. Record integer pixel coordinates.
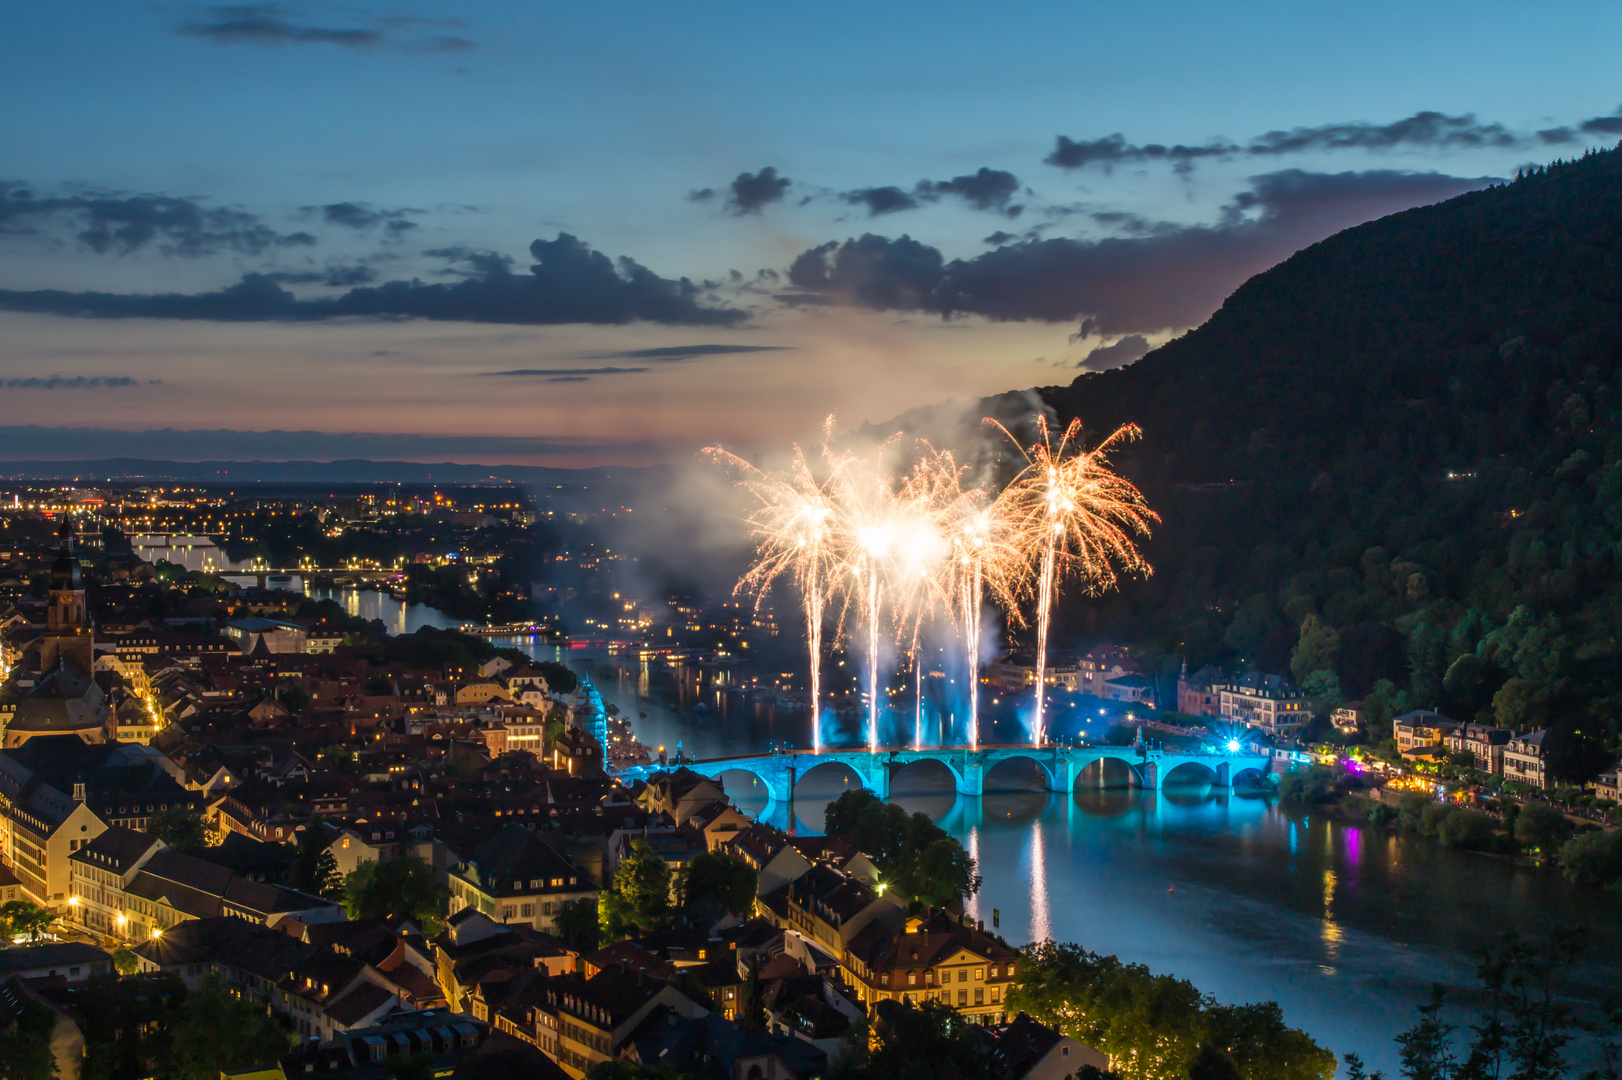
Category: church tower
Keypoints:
(68, 633)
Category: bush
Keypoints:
(1542, 829)
(1467, 830)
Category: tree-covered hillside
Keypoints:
(1397, 455)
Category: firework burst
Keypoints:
(890, 550)
(1070, 516)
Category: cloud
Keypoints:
(75, 382)
(751, 191)
(1429, 129)
(1171, 278)
(665, 354)
(362, 216)
(25, 442)
(568, 283)
(1604, 125)
(473, 263)
(687, 352)
(269, 25)
(1123, 352)
(566, 374)
(334, 276)
(987, 189)
(882, 200)
(119, 223)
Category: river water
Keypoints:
(1345, 926)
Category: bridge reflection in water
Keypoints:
(1061, 766)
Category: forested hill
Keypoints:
(1411, 434)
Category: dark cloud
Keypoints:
(568, 283)
(1429, 129)
(999, 238)
(1604, 125)
(882, 200)
(468, 262)
(701, 195)
(1171, 278)
(29, 441)
(988, 189)
(115, 222)
(751, 191)
(671, 353)
(334, 277)
(568, 374)
(362, 216)
(1123, 352)
(74, 382)
(277, 24)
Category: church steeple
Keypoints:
(67, 622)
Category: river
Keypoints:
(1344, 925)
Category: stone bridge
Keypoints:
(1062, 766)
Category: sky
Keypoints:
(613, 233)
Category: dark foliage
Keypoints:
(919, 860)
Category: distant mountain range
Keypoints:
(354, 471)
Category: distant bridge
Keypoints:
(1061, 766)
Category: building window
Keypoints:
(912, 978)
(962, 997)
(979, 995)
(979, 974)
(962, 974)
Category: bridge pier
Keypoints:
(1223, 775)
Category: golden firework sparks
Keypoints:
(1070, 516)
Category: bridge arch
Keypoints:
(915, 767)
(1249, 776)
(762, 784)
(1049, 780)
(1188, 772)
(1107, 771)
(828, 767)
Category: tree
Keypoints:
(731, 881)
(125, 962)
(405, 886)
(1593, 858)
(216, 1031)
(919, 860)
(1427, 1047)
(25, 1050)
(1155, 1026)
(1213, 1063)
(294, 698)
(181, 827)
(1317, 650)
(1542, 829)
(577, 925)
(1574, 749)
(639, 898)
(23, 917)
(915, 1042)
(339, 759)
(559, 679)
(315, 869)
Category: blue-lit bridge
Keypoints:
(1062, 766)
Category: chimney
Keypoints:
(78, 791)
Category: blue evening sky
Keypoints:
(450, 134)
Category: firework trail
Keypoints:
(793, 533)
(1070, 516)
